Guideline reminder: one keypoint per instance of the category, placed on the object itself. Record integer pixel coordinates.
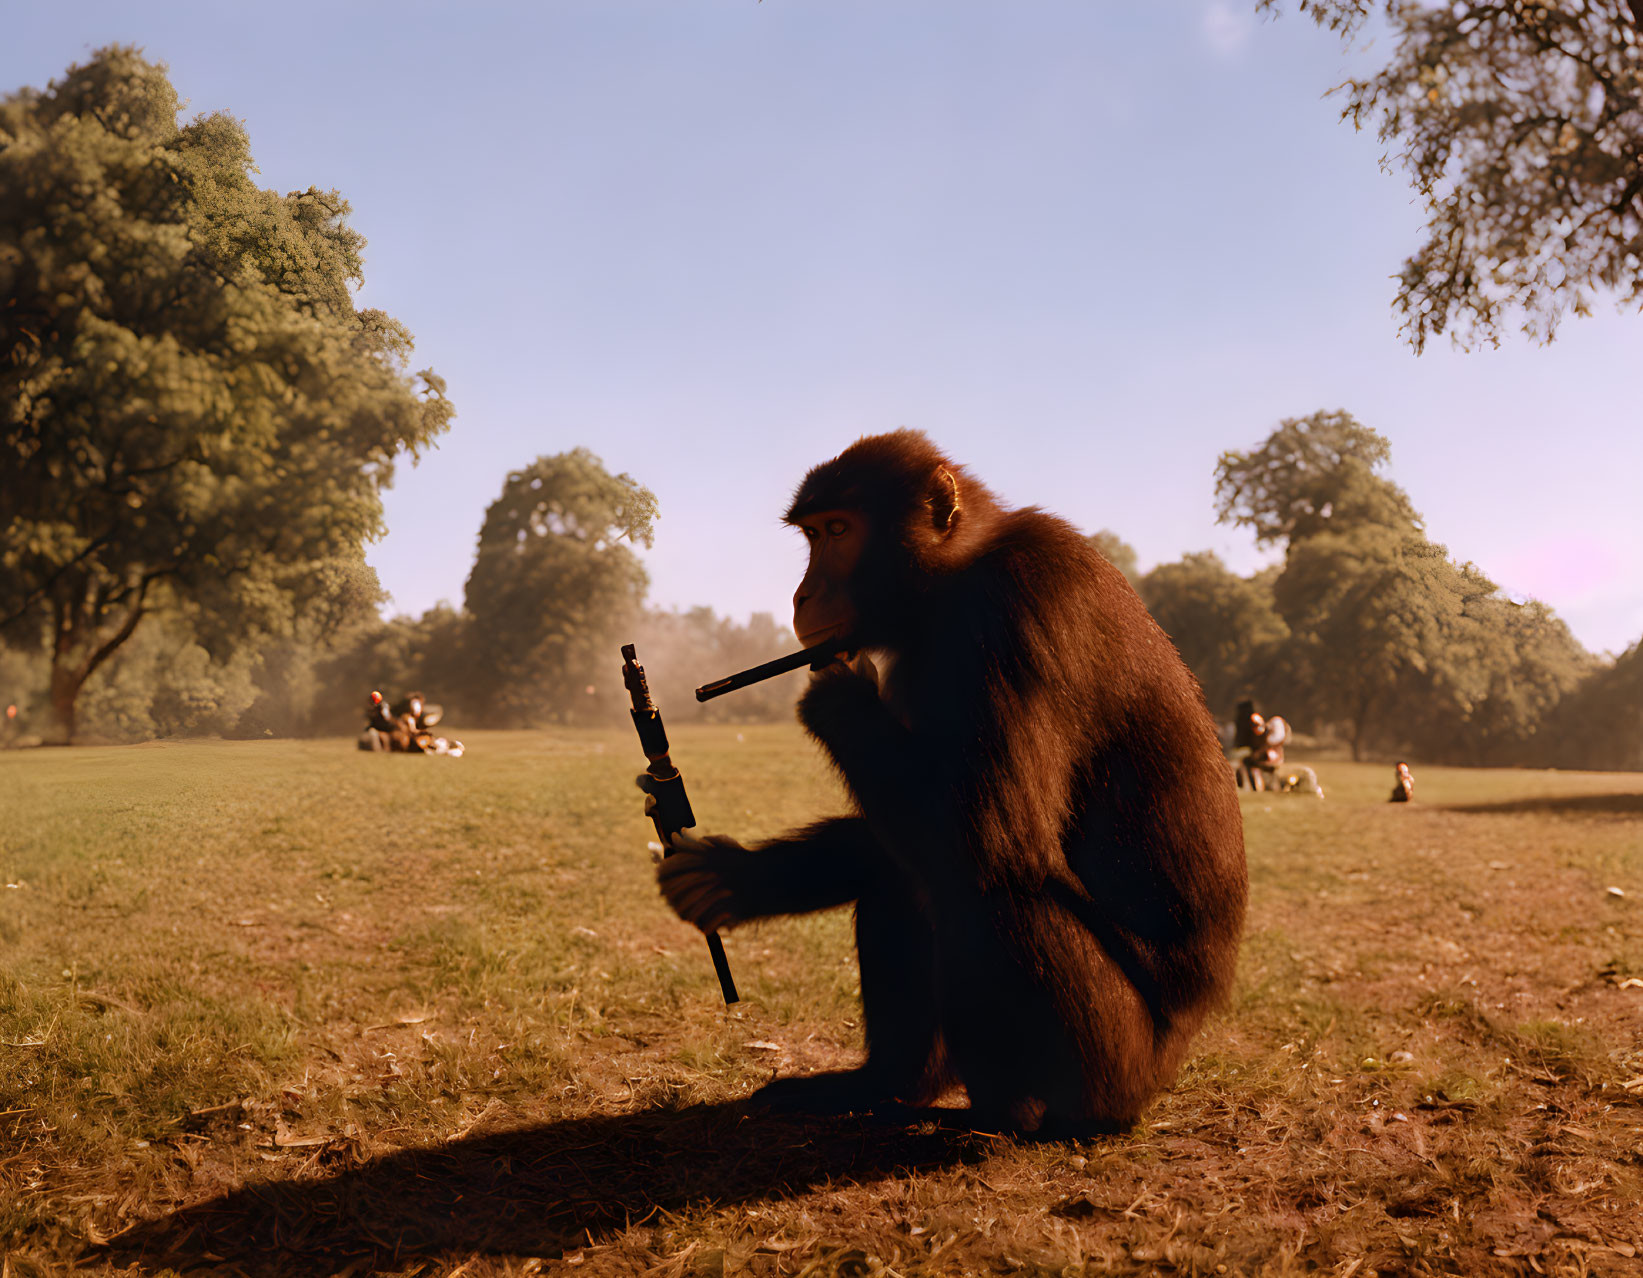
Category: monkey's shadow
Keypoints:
(537, 1191)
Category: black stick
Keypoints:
(672, 811)
(816, 655)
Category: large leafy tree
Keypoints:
(294, 695)
(1311, 475)
(1226, 627)
(1520, 123)
(1600, 725)
(322, 689)
(1414, 652)
(194, 416)
(1391, 639)
(1530, 662)
(554, 586)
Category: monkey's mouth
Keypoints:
(826, 634)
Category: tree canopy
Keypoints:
(1226, 627)
(1311, 475)
(1521, 127)
(554, 582)
(1391, 640)
(1387, 630)
(1599, 724)
(193, 414)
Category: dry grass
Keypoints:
(282, 1008)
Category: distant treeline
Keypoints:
(555, 590)
(164, 684)
(1366, 632)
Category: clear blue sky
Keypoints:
(1085, 246)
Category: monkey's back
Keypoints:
(1118, 779)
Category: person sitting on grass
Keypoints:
(1266, 738)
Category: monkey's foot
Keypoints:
(837, 1092)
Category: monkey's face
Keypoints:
(824, 606)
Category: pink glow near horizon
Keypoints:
(1562, 568)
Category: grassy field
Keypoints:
(287, 1008)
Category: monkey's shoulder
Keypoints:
(1038, 587)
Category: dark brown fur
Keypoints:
(1046, 856)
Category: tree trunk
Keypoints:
(66, 683)
(1360, 729)
(69, 675)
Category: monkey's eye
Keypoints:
(837, 527)
(810, 533)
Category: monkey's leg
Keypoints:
(1044, 1029)
(895, 945)
(905, 1061)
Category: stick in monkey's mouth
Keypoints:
(815, 656)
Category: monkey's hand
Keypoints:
(699, 879)
(845, 710)
(841, 697)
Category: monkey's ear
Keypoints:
(942, 498)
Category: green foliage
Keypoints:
(1119, 553)
(1346, 16)
(680, 651)
(1226, 627)
(165, 684)
(321, 690)
(1385, 625)
(192, 413)
(1414, 653)
(1521, 127)
(1530, 662)
(1391, 641)
(430, 653)
(1311, 475)
(554, 590)
(293, 696)
(1600, 724)
(23, 678)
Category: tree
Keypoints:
(293, 697)
(1390, 639)
(1600, 724)
(553, 586)
(1311, 475)
(1119, 553)
(1412, 652)
(1390, 646)
(429, 654)
(683, 650)
(1521, 126)
(193, 414)
(163, 683)
(1226, 626)
(1531, 662)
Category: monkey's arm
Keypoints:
(716, 883)
(882, 763)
